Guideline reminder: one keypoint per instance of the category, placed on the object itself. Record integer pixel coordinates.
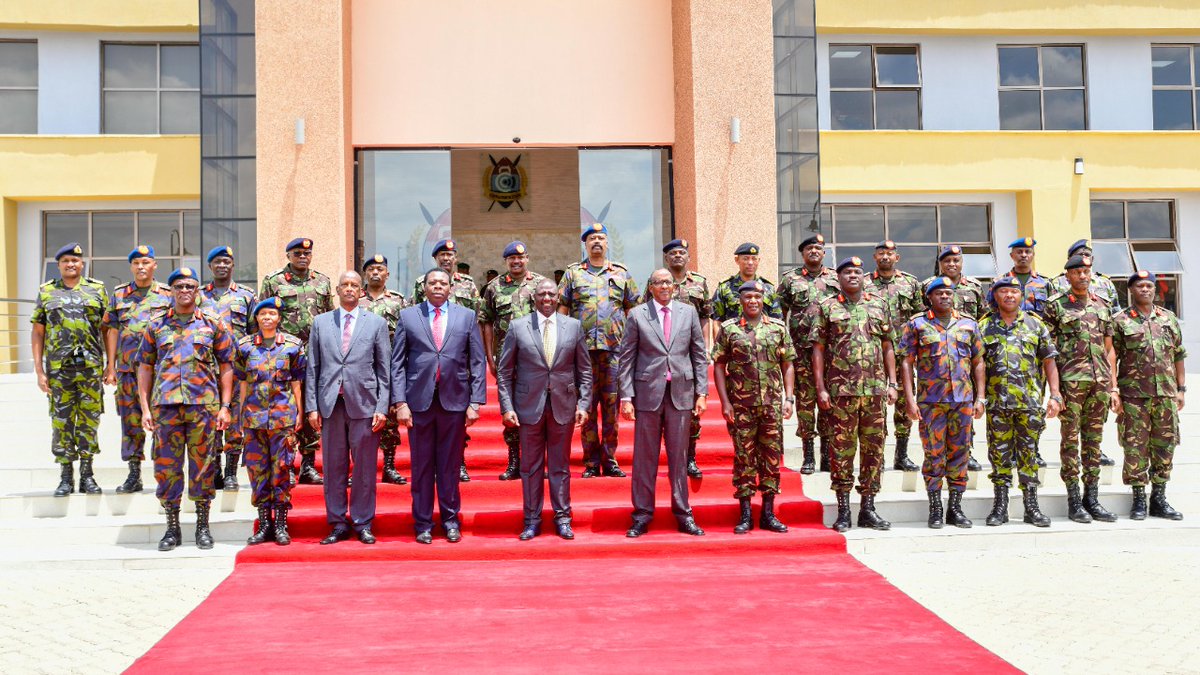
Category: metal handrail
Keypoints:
(16, 315)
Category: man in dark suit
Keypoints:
(544, 379)
(438, 371)
(664, 377)
(346, 393)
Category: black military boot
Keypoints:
(1105, 460)
(174, 535)
(954, 514)
(824, 455)
(1159, 508)
(746, 523)
(1038, 459)
(513, 470)
(1075, 510)
(867, 517)
(999, 514)
(842, 522)
(903, 463)
(1033, 512)
(308, 470)
(231, 467)
(282, 537)
(767, 519)
(87, 479)
(693, 469)
(810, 463)
(266, 529)
(463, 476)
(1091, 502)
(390, 474)
(1137, 510)
(973, 464)
(133, 482)
(218, 475)
(66, 484)
(935, 509)
(204, 538)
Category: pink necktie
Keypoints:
(346, 333)
(437, 340)
(666, 312)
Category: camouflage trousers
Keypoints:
(182, 434)
(133, 437)
(76, 403)
(1012, 437)
(1149, 430)
(232, 439)
(268, 460)
(900, 421)
(757, 449)
(599, 450)
(307, 438)
(695, 436)
(389, 436)
(810, 420)
(1085, 408)
(946, 436)
(856, 423)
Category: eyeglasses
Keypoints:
(662, 282)
(302, 254)
(186, 288)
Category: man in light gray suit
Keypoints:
(544, 380)
(663, 377)
(346, 393)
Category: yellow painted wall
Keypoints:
(87, 15)
(1116, 17)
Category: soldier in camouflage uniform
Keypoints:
(725, 302)
(463, 292)
(1017, 349)
(692, 288)
(68, 359)
(269, 366)
(901, 293)
(185, 373)
(1035, 288)
(945, 348)
(505, 299)
(1081, 324)
(598, 292)
(305, 293)
(855, 371)
(800, 291)
(754, 379)
(380, 300)
(131, 307)
(1150, 377)
(232, 304)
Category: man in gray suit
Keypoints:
(544, 380)
(664, 378)
(438, 371)
(346, 393)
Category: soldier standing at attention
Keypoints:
(854, 366)
(232, 304)
(1034, 287)
(305, 293)
(725, 302)
(901, 292)
(692, 288)
(131, 307)
(1017, 350)
(598, 292)
(269, 366)
(945, 347)
(754, 378)
(1082, 326)
(185, 372)
(800, 291)
(1150, 376)
(380, 300)
(68, 359)
(505, 299)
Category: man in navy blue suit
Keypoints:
(438, 371)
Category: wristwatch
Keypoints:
(790, 399)
(475, 407)
(981, 401)
(1182, 388)
(1056, 399)
(892, 385)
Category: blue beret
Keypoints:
(594, 228)
(72, 248)
(1023, 242)
(299, 242)
(515, 248)
(1142, 275)
(1082, 243)
(377, 259)
(182, 273)
(141, 251)
(752, 285)
(1006, 282)
(1076, 261)
(953, 249)
(886, 244)
(674, 244)
(270, 303)
(748, 248)
(444, 245)
(812, 241)
(938, 282)
(218, 251)
(852, 261)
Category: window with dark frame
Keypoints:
(874, 86)
(1141, 234)
(1042, 87)
(150, 88)
(1173, 68)
(18, 87)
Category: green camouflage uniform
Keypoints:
(463, 291)
(1079, 326)
(1101, 285)
(505, 300)
(73, 360)
(800, 292)
(1013, 356)
(852, 335)
(968, 297)
(753, 358)
(905, 298)
(693, 290)
(726, 301)
(388, 307)
(1148, 347)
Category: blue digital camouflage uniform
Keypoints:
(232, 305)
(130, 310)
(269, 411)
(905, 298)
(1034, 292)
(800, 291)
(968, 297)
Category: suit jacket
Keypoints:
(416, 361)
(522, 371)
(645, 357)
(362, 373)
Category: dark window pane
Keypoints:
(160, 230)
(1064, 109)
(850, 66)
(227, 188)
(794, 17)
(191, 234)
(1150, 220)
(180, 112)
(864, 251)
(228, 127)
(1171, 65)
(795, 66)
(850, 109)
(1019, 67)
(131, 66)
(50, 272)
(130, 112)
(1157, 261)
(1172, 109)
(1108, 220)
(912, 223)
(64, 228)
(917, 260)
(1112, 258)
(18, 111)
(896, 66)
(227, 16)
(180, 67)
(18, 64)
(897, 110)
(1020, 110)
(797, 181)
(113, 273)
(965, 224)
(112, 234)
(1062, 66)
(858, 224)
(795, 124)
(227, 65)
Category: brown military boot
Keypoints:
(746, 522)
(867, 517)
(1091, 502)
(810, 463)
(842, 522)
(1159, 508)
(1033, 512)
(66, 483)
(999, 514)
(767, 519)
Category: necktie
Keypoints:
(437, 328)
(346, 333)
(548, 341)
(666, 312)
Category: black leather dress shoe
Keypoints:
(424, 537)
(336, 536)
(689, 526)
(636, 530)
(453, 535)
(613, 470)
(565, 531)
(366, 536)
(528, 533)
(591, 472)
